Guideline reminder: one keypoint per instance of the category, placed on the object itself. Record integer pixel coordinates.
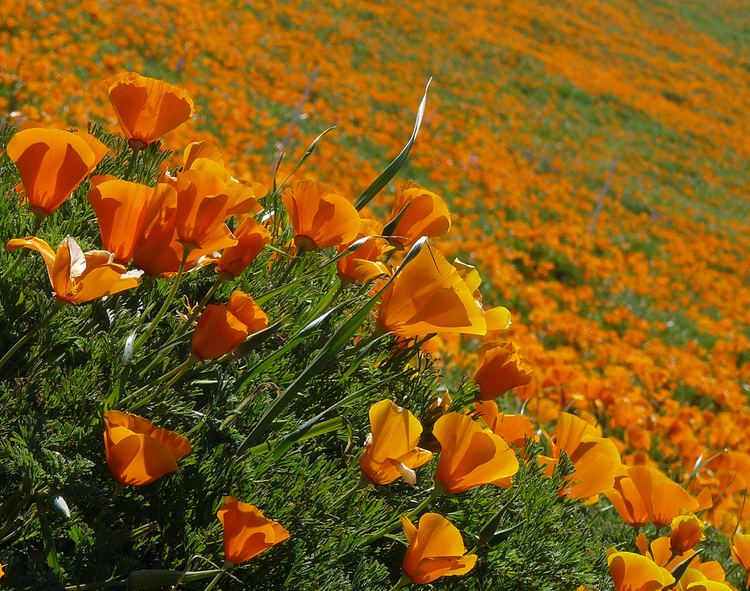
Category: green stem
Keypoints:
(14, 265)
(214, 581)
(434, 493)
(25, 338)
(167, 302)
(202, 304)
(175, 374)
(402, 582)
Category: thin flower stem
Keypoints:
(167, 302)
(215, 580)
(402, 582)
(202, 304)
(25, 338)
(172, 376)
(19, 256)
(434, 493)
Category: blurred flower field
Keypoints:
(239, 350)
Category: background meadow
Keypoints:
(594, 159)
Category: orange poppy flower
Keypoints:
(223, 327)
(391, 450)
(156, 250)
(430, 296)
(362, 265)
(500, 369)
(687, 531)
(514, 429)
(252, 237)
(633, 572)
(137, 451)
(78, 276)
(436, 549)
(471, 455)
(247, 532)
(424, 214)
(646, 488)
(148, 108)
(320, 217)
(741, 552)
(120, 207)
(595, 458)
(52, 163)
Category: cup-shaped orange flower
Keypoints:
(78, 276)
(156, 250)
(429, 296)
(223, 327)
(514, 429)
(247, 532)
(500, 369)
(252, 237)
(418, 212)
(362, 265)
(52, 163)
(391, 451)
(595, 458)
(148, 108)
(120, 207)
(633, 572)
(436, 549)
(139, 452)
(319, 216)
(687, 531)
(471, 455)
(646, 488)
(741, 552)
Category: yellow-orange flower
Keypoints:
(137, 451)
(420, 212)
(247, 532)
(436, 549)
(320, 217)
(148, 108)
(500, 369)
(741, 552)
(251, 239)
(595, 458)
(52, 163)
(687, 531)
(223, 327)
(514, 429)
(647, 489)
(471, 455)
(120, 207)
(391, 451)
(430, 296)
(362, 265)
(633, 572)
(78, 276)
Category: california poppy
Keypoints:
(247, 532)
(687, 531)
(633, 572)
(436, 549)
(362, 265)
(741, 552)
(500, 369)
(137, 451)
(223, 327)
(391, 451)
(514, 429)
(52, 163)
(471, 455)
(418, 212)
(430, 296)
(252, 237)
(661, 498)
(78, 276)
(120, 207)
(319, 216)
(148, 108)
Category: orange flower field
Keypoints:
(242, 347)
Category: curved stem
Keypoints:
(167, 302)
(214, 581)
(175, 374)
(25, 338)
